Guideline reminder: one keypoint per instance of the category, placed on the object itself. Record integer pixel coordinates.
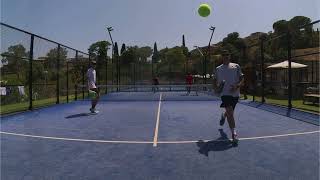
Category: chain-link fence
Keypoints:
(285, 68)
(15, 48)
(37, 72)
(279, 68)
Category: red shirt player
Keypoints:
(189, 80)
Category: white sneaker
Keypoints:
(94, 111)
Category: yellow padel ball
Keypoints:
(204, 10)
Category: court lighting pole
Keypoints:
(197, 47)
(207, 53)
(109, 31)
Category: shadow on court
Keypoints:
(78, 115)
(312, 118)
(221, 144)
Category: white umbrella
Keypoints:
(285, 65)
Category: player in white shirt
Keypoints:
(229, 78)
(91, 74)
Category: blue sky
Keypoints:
(78, 23)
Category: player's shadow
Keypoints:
(77, 115)
(221, 144)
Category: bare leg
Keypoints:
(230, 117)
(95, 101)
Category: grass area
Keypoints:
(11, 108)
(296, 103)
(10, 78)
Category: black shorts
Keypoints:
(229, 101)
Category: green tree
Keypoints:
(51, 61)
(115, 50)
(231, 38)
(174, 58)
(236, 46)
(280, 27)
(155, 56)
(99, 52)
(52, 57)
(123, 48)
(162, 54)
(144, 53)
(76, 69)
(298, 21)
(130, 56)
(302, 38)
(16, 61)
(183, 41)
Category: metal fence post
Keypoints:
(255, 79)
(119, 71)
(112, 66)
(203, 71)
(134, 75)
(67, 82)
(76, 86)
(82, 81)
(106, 75)
(170, 74)
(152, 73)
(58, 76)
(30, 72)
(289, 71)
(262, 38)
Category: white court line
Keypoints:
(78, 140)
(241, 139)
(155, 138)
(150, 142)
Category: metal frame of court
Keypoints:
(59, 46)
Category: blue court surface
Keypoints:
(158, 140)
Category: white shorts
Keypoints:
(92, 85)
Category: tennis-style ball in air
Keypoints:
(204, 10)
